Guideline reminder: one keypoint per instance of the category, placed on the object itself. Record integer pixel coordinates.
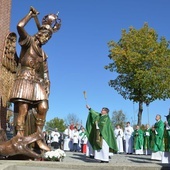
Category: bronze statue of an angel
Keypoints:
(31, 86)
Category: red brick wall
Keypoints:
(5, 11)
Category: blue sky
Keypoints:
(78, 52)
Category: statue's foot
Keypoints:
(42, 145)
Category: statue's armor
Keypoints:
(29, 85)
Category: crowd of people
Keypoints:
(99, 140)
(154, 141)
(74, 138)
(71, 139)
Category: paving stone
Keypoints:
(78, 161)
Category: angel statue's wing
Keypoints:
(9, 66)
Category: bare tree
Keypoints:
(72, 119)
(118, 118)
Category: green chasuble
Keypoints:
(147, 137)
(105, 131)
(166, 141)
(157, 143)
(82, 135)
(138, 139)
(167, 136)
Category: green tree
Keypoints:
(55, 123)
(118, 118)
(142, 64)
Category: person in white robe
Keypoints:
(118, 132)
(128, 138)
(49, 139)
(67, 134)
(75, 138)
(71, 139)
(82, 138)
(55, 139)
(79, 138)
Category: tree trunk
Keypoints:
(140, 113)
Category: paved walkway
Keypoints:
(78, 161)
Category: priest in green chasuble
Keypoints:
(147, 140)
(166, 153)
(157, 144)
(100, 134)
(138, 140)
